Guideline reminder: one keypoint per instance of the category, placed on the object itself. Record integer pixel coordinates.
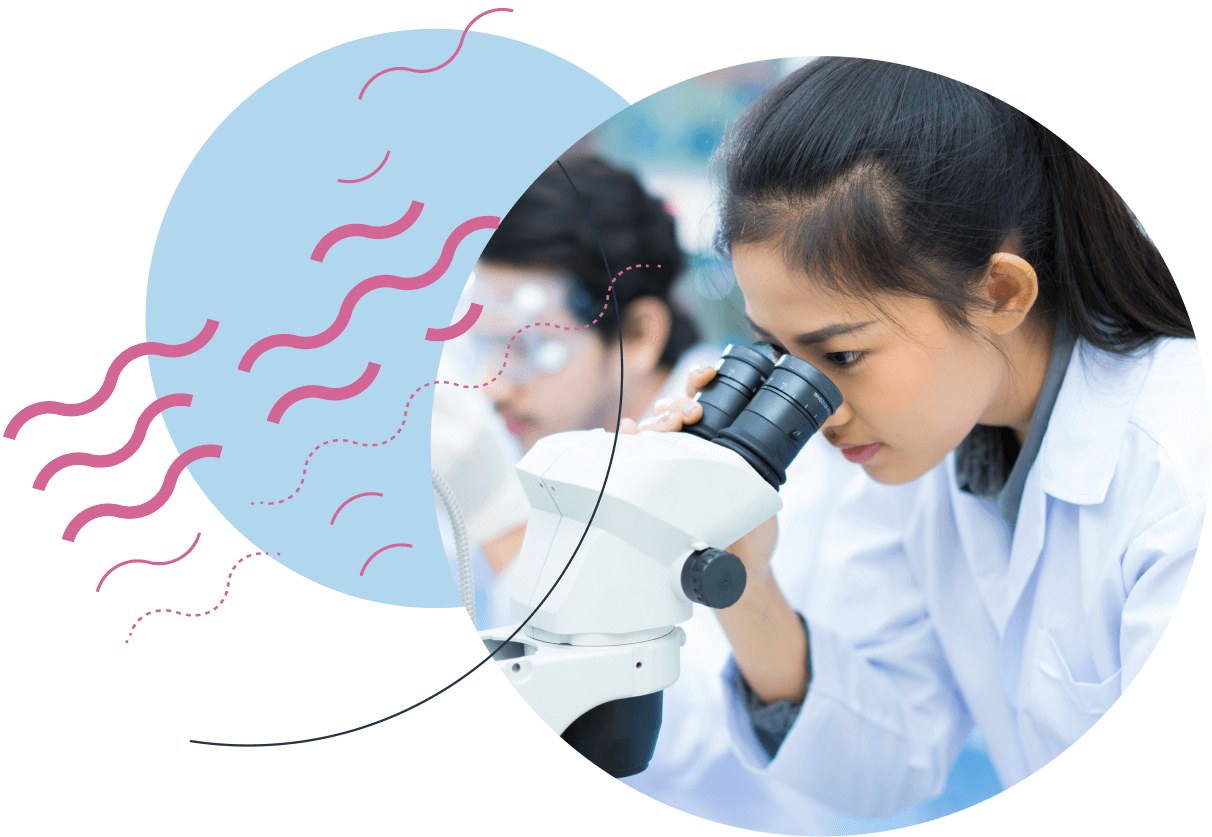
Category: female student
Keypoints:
(1023, 389)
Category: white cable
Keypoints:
(467, 588)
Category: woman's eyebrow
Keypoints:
(757, 329)
(813, 337)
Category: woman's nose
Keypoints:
(838, 419)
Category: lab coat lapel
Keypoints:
(1028, 541)
(1078, 455)
(985, 539)
(1081, 448)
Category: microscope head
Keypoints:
(668, 495)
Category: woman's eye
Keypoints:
(843, 358)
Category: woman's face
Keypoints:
(913, 387)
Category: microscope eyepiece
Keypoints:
(787, 409)
(740, 371)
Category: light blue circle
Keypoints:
(236, 244)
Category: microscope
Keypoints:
(594, 658)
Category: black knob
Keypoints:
(713, 577)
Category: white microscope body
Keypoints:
(607, 631)
(600, 648)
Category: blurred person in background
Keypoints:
(544, 265)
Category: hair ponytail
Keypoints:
(1109, 280)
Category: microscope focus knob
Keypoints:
(713, 577)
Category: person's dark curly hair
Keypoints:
(547, 228)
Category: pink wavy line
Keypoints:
(102, 395)
(440, 66)
(404, 420)
(369, 176)
(327, 393)
(96, 460)
(350, 500)
(143, 509)
(384, 549)
(374, 283)
(214, 609)
(450, 332)
(366, 230)
(153, 563)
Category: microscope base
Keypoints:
(563, 682)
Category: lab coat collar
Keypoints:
(1085, 433)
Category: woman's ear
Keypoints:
(646, 325)
(1010, 289)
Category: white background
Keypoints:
(104, 106)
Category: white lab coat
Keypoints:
(940, 616)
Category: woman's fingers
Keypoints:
(670, 414)
(690, 410)
(698, 378)
(668, 421)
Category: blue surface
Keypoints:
(235, 246)
(971, 780)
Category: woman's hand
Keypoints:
(670, 414)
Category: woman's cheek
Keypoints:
(894, 394)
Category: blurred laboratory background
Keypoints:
(669, 140)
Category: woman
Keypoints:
(1037, 442)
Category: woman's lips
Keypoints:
(860, 453)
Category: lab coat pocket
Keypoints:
(1059, 709)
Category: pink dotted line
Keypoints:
(223, 598)
(404, 420)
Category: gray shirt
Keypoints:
(988, 463)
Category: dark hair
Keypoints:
(883, 178)
(547, 227)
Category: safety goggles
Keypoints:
(521, 357)
(537, 351)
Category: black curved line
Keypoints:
(610, 462)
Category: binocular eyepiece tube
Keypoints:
(764, 410)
